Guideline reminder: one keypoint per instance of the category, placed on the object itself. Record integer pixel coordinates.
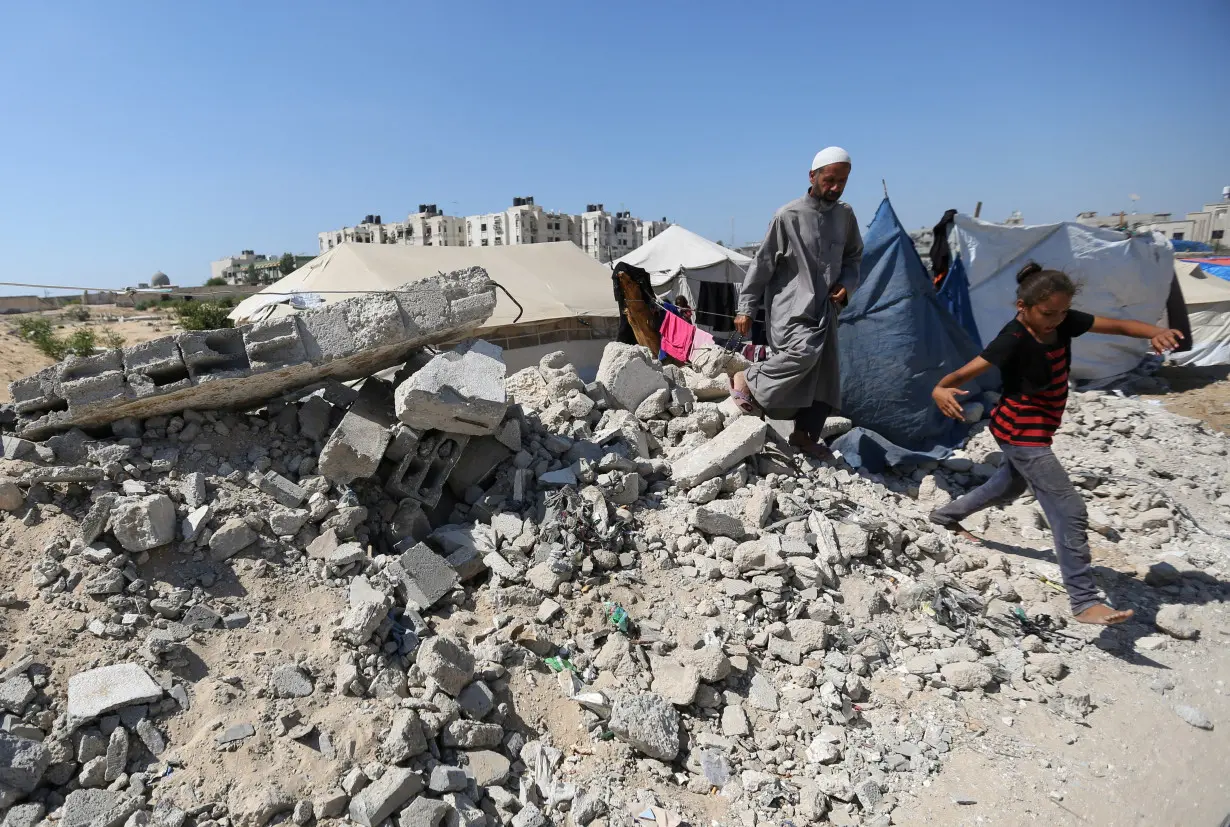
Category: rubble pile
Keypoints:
(450, 596)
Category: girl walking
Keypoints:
(1033, 353)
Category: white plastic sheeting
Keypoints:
(1119, 277)
(1208, 310)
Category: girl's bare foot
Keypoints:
(742, 394)
(1103, 615)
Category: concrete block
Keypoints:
(281, 489)
(37, 394)
(233, 537)
(630, 374)
(426, 812)
(93, 379)
(143, 523)
(209, 355)
(357, 444)
(97, 691)
(314, 416)
(375, 321)
(741, 439)
(422, 473)
(385, 796)
(403, 441)
(22, 763)
(13, 447)
(423, 577)
(273, 344)
(460, 392)
(479, 460)
(98, 808)
(446, 661)
(326, 333)
(155, 367)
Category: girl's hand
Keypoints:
(946, 401)
(1166, 340)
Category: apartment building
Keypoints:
(601, 234)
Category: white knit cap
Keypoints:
(830, 155)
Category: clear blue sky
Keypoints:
(143, 136)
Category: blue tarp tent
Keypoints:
(897, 340)
(954, 293)
(1180, 245)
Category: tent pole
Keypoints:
(978, 209)
(883, 184)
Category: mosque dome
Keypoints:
(160, 279)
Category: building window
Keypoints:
(484, 242)
(1218, 234)
(484, 228)
(1178, 236)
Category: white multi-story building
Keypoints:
(1210, 225)
(252, 268)
(600, 234)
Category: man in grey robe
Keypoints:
(802, 275)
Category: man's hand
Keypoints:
(838, 294)
(743, 324)
(946, 401)
(1166, 340)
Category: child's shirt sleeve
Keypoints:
(1076, 323)
(1001, 347)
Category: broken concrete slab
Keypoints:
(460, 392)
(739, 440)
(385, 796)
(422, 577)
(106, 688)
(237, 368)
(630, 374)
(356, 446)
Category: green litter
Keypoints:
(558, 664)
(618, 617)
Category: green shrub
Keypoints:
(111, 340)
(216, 281)
(202, 315)
(39, 331)
(81, 342)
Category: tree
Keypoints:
(249, 275)
(286, 264)
(216, 281)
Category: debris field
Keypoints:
(317, 570)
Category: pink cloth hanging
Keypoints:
(677, 335)
(702, 339)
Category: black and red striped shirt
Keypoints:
(1035, 377)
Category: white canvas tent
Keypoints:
(678, 260)
(1119, 276)
(1208, 310)
(566, 296)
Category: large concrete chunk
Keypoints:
(385, 796)
(98, 808)
(648, 722)
(422, 576)
(143, 523)
(460, 392)
(447, 662)
(743, 438)
(237, 368)
(630, 374)
(22, 762)
(356, 446)
(101, 690)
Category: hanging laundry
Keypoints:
(677, 335)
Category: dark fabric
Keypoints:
(715, 306)
(954, 294)
(811, 419)
(644, 291)
(1035, 377)
(897, 341)
(1039, 469)
(941, 256)
(1176, 314)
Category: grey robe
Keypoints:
(811, 246)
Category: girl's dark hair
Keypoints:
(1035, 285)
